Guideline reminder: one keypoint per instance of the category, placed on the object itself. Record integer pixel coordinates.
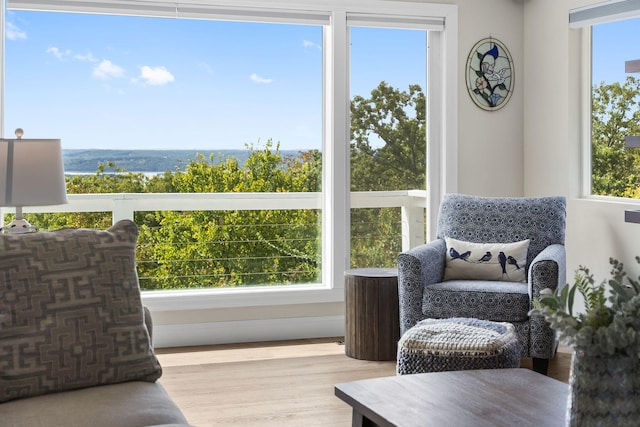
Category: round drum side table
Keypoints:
(372, 313)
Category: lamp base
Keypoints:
(19, 226)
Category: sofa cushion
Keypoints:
(128, 404)
(486, 261)
(480, 299)
(70, 312)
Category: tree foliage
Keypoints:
(236, 248)
(388, 152)
(388, 139)
(191, 249)
(197, 249)
(615, 114)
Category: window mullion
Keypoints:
(336, 211)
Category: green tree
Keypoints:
(388, 139)
(388, 152)
(108, 178)
(615, 114)
(236, 248)
(194, 249)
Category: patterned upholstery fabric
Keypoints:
(498, 301)
(423, 294)
(504, 220)
(435, 345)
(70, 312)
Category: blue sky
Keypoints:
(123, 82)
(613, 44)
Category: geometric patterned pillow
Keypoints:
(486, 261)
(71, 315)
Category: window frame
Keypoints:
(582, 21)
(442, 59)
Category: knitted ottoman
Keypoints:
(457, 344)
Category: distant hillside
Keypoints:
(87, 161)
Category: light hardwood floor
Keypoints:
(287, 383)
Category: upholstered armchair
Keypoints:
(425, 291)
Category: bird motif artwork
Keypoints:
(456, 255)
(511, 260)
(486, 261)
(503, 262)
(486, 257)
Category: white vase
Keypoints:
(604, 391)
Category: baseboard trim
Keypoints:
(190, 334)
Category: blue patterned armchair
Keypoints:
(423, 293)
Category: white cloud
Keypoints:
(256, 78)
(156, 76)
(88, 57)
(310, 44)
(14, 33)
(206, 67)
(59, 54)
(106, 69)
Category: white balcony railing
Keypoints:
(123, 205)
(192, 269)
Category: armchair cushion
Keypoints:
(71, 315)
(486, 261)
(480, 299)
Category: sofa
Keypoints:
(75, 339)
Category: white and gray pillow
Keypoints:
(486, 261)
(71, 314)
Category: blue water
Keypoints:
(147, 161)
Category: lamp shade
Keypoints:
(31, 173)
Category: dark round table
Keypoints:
(372, 314)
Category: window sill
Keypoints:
(199, 299)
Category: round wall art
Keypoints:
(490, 74)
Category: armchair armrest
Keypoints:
(418, 267)
(547, 270)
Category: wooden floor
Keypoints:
(280, 384)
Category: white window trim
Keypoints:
(442, 60)
(609, 11)
(585, 75)
(582, 20)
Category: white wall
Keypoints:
(554, 140)
(490, 144)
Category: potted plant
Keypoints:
(605, 339)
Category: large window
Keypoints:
(388, 133)
(615, 98)
(188, 106)
(269, 82)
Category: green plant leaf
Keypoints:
(570, 299)
(620, 289)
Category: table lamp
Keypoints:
(31, 174)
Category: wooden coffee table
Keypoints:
(479, 398)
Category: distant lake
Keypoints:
(148, 161)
